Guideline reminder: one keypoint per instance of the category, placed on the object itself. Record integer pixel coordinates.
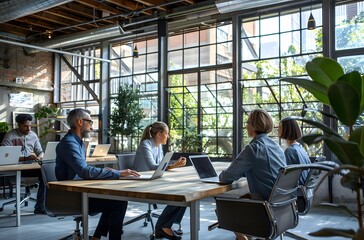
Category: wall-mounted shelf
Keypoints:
(24, 86)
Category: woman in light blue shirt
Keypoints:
(259, 161)
(295, 154)
(148, 156)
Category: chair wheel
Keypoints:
(1, 209)
(145, 224)
(151, 237)
(14, 212)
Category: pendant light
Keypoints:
(311, 23)
(135, 52)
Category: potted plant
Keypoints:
(125, 115)
(344, 92)
(46, 113)
(4, 128)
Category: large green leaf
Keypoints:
(310, 139)
(347, 152)
(323, 127)
(358, 136)
(318, 90)
(354, 78)
(345, 100)
(324, 71)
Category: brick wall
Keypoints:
(37, 72)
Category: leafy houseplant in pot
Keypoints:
(344, 92)
(125, 114)
(44, 113)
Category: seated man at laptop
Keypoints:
(259, 161)
(71, 165)
(31, 150)
(148, 157)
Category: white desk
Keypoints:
(179, 187)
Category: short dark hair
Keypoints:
(260, 121)
(290, 129)
(23, 117)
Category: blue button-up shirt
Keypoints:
(259, 162)
(71, 161)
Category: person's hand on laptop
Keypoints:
(179, 163)
(129, 172)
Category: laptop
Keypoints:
(157, 173)
(10, 155)
(50, 151)
(100, 150)
(204, 168)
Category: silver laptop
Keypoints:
(204, 168)
(50, 151)
(157, 173)
(10, 155)
(100, 150)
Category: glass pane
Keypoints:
(224, 52)
(349, 26)
(224, 75)
(208, 55)
(190, 79)
(224, 33)
(311, 41)
(290, 43)
(191, 39)
(152, 45)
(207, 77)
(270, 46)
(174, 60)
(126, 66)
(250, 49)
(139, 64)
(290, 22)
(250, 28)
(208, 36)
(352, 63)
(191, 57)
(269, 25)
(152, 62)
(175, 80)
(175, 42)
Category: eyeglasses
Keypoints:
(88, 120)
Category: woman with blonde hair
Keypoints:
(148, 156)
(259, 161)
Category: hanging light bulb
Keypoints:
(135, 52)
(311, 23)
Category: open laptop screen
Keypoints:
(203, 166)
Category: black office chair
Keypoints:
(125, 161)
(28, 183)
(61, 203)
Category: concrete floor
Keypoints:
(44, 227)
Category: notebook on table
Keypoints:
(204, 168)
(157, 173)
(100, 150)
(10, 155)
(50, 151)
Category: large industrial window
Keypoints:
(200, 91)
(141, 73)
(275, 46)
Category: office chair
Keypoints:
(61, 203)
(265, 219)
(29, 183)
(125, 161)
(305, 193)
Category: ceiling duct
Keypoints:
(226, 6)
(11, 9)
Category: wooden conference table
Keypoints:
(179, 187)
(17, 168)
